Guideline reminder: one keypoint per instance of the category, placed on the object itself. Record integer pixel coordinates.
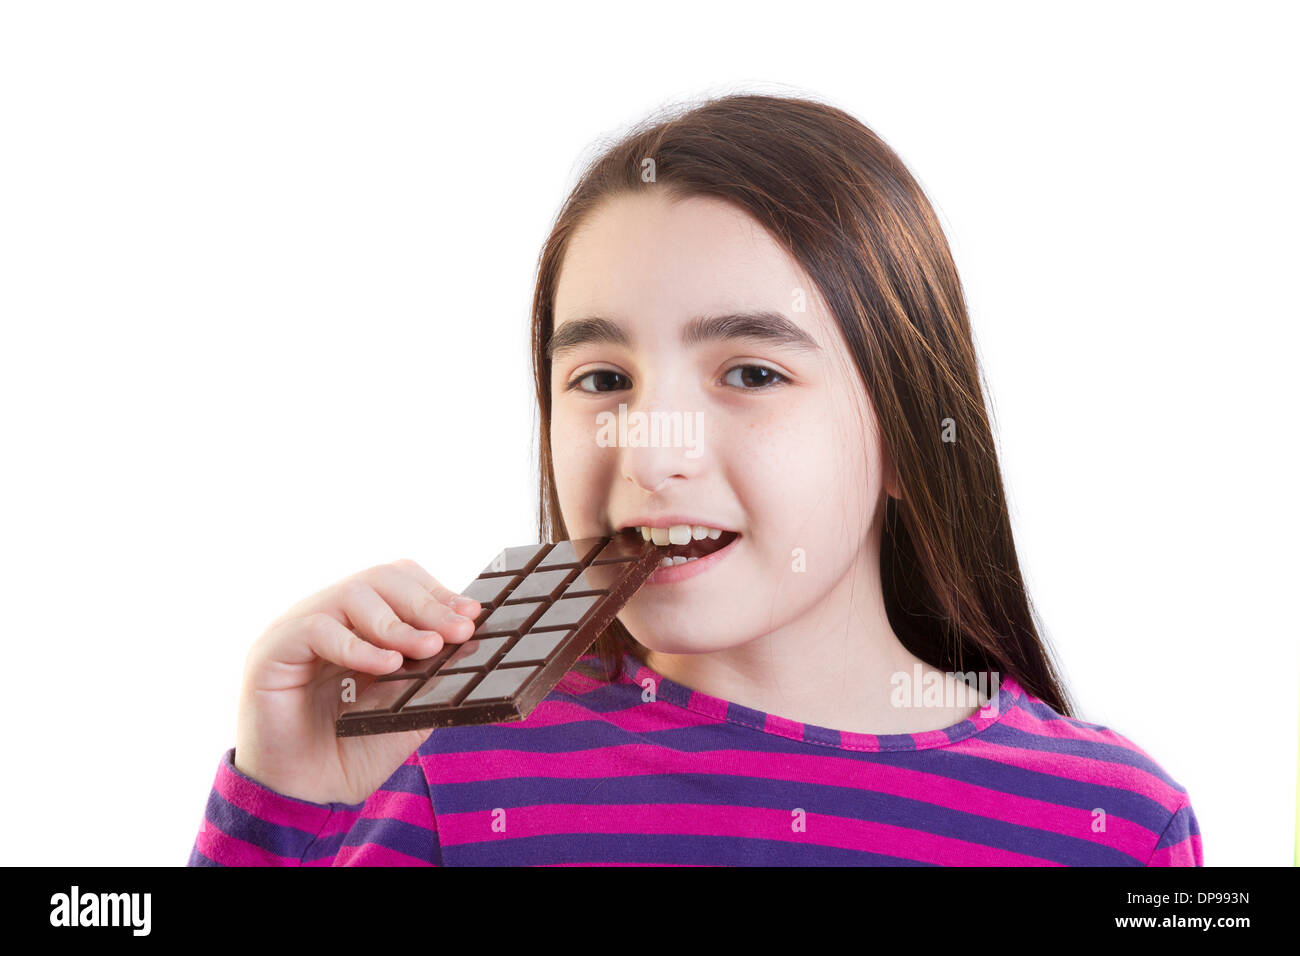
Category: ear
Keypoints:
(891, 477)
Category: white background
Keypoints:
(265, 272)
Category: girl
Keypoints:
(769, 267)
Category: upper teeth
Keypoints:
(679, 533)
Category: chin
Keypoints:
(678, 642)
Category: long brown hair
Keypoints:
(843, 206)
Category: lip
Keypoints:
(684, 572)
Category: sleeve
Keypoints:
(248, 824)
(1180, 843)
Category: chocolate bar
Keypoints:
(543, 606)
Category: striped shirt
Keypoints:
(644, 771)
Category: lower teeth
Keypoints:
(672, 562)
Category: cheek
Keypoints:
(579, 463)
(804, 479)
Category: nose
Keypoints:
(664, 445)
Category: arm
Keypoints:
(247, 824)
(1180, 842)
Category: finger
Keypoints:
(457, 602)
(417, 605)
(375, 619)
(327, 638)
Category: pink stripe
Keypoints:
(1066, 728)
(412, 808)
(575, 683)
(1085, 769)
(784, 727)
(372, 854)
(709, 706)
(638, 719)
(265, 804)
(687, 819)
(646, 759)
(1186, 853)
(229, 850)
(929, 738)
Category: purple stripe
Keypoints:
(281, 841)
(665, 848)
(416, 842)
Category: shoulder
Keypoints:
(1078, 745)
(1096, 765)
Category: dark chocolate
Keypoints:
(543, 606)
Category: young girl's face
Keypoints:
(785, 455)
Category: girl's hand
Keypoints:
(292, 688)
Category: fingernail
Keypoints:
(462, 602)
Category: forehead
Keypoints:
(650, 263)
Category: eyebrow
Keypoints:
(764, 326)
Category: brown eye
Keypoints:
(753, 377)
(604, 376)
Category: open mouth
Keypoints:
(696, 547)
(702, 547)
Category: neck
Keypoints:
(830, 668)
